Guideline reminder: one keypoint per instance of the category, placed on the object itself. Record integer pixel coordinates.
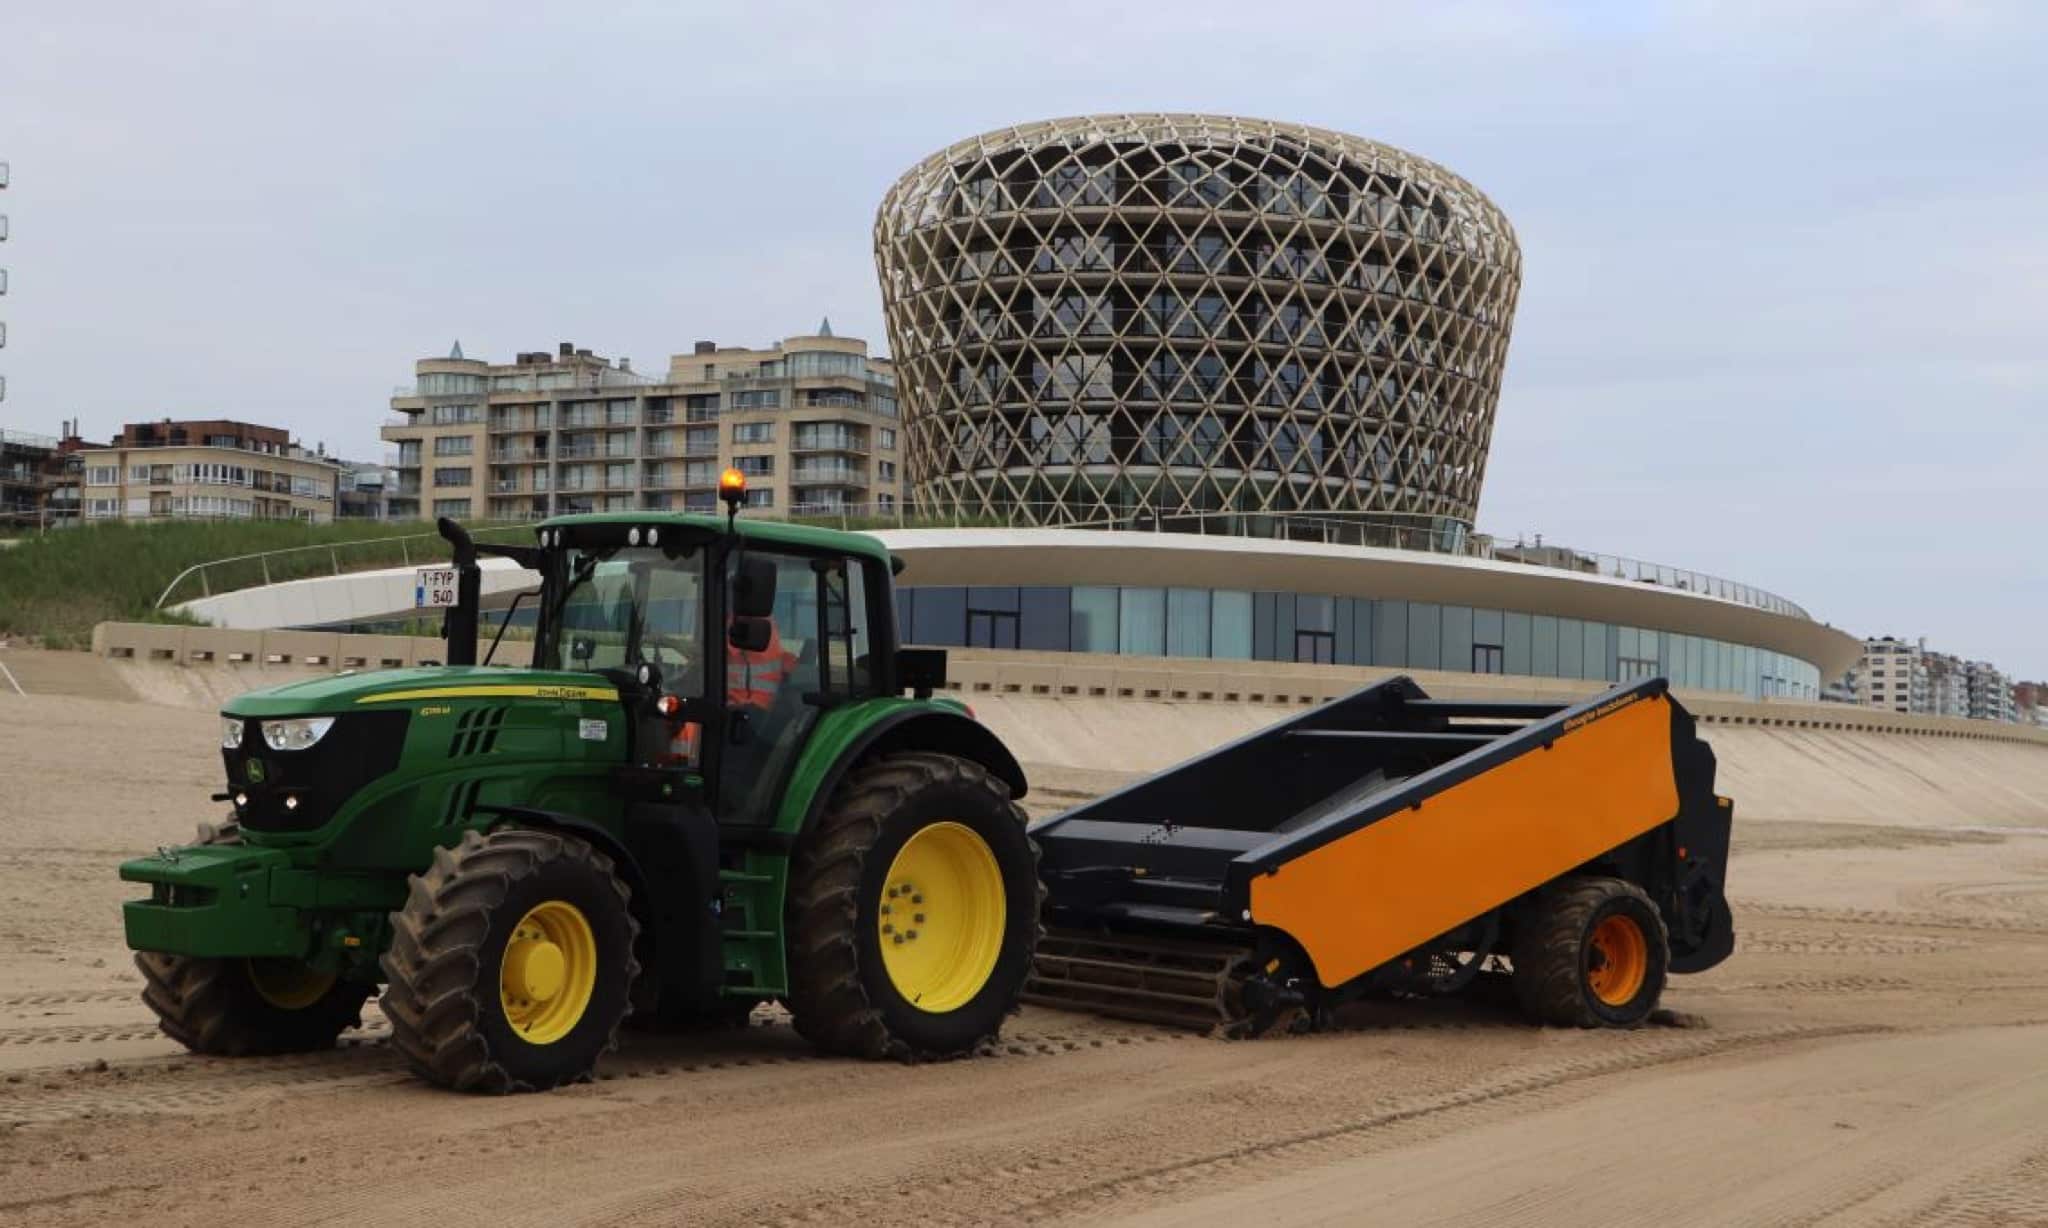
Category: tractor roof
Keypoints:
(765, 532)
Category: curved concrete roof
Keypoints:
(1094, 556)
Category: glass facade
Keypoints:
(1226, 624)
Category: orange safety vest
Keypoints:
(753, 678)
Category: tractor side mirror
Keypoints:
(750, 634)
(753, 588)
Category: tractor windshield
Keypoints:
(615, 607)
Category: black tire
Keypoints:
(447, 955)
(218, 1006)
(841, 995)
(1557, 961)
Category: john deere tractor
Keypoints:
(710, 791)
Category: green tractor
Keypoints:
(710, 791)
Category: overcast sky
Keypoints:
(1784, 314)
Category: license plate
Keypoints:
(433, 588)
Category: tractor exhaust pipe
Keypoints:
(459, 621)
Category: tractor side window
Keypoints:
(845, 628)
(770, 693)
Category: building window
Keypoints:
(1141, 622)
(760, 498)
(103, 475)
(756, 466)
(451, 477)
(764, 398)
(886, 438)
(753, 432)
(457, 415)
(885, 470)
(992, 618)
(456, 508)
(1094, 622)
(408, 453)
(454, 445)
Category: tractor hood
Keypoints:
(352, 692)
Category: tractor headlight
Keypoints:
(296, 735)
(230, 733)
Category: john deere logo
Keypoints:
(255, 771)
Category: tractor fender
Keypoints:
(676, 848)
(919, 728)
(568, 824)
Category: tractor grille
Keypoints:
(300, 790)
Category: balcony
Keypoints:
(577, 451)
(855, 445)
(700, 449)
(828, 475)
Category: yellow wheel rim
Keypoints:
(548, 973)
(941, 917)
(289, 984)
(1618, 961)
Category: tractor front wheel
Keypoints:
(245, 1007)
(511, 964)
(913, 912)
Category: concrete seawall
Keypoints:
(1122, 715)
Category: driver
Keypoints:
(752, 679)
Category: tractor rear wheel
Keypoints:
(511, 964)
(913, 915)
(1592, 953)
(242, 1007)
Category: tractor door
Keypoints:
(815, 653)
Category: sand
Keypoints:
(1870, 1055)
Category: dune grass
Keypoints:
(55, 587)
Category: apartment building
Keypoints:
(1892, 674)
(811, 420)
(2030, 703)
(206, 469)
(31, 466)
(1989, 692)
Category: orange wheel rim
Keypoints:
(1618, 960)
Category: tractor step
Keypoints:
(1176, 982)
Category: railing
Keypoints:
(298, 562)
(826, 475)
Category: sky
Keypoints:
(1784, 315)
